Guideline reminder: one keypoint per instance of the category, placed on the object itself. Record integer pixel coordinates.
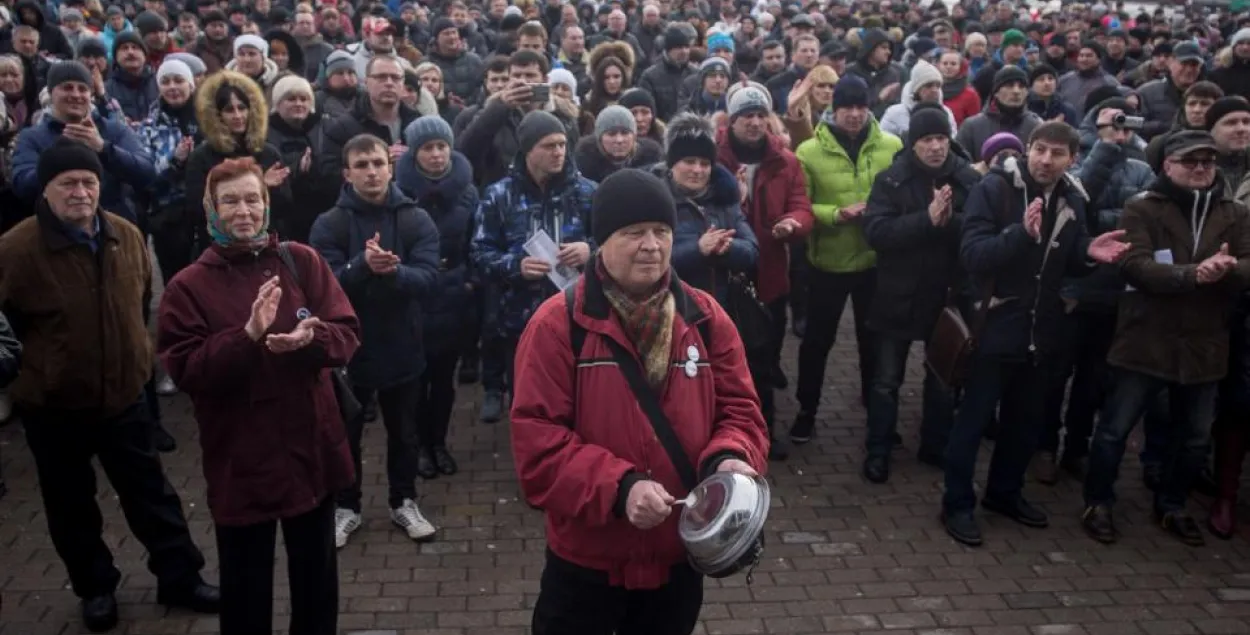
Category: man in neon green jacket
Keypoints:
(840, 161)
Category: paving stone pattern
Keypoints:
(843, 556)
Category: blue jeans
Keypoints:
(890, 362)
(1017, 388)
(1192, 410)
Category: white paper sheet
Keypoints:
(542, 247)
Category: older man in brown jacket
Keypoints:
(1190, 253)
(74, 280)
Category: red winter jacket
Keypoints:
(577, 431)
(274, 444)
(966, 103)
(779, 191)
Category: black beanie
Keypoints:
(928, 121)
(689, 135)
(65, 155)
(1225, 106)
(148, 22)
(675, 38)
(1097, 96)
(91, 47)
(534, 127)
(1008, 74)
(627, 197)
(440, 25)
(129, 37)
(638, 97)
(214, 15)
(850, 91)
(1042, 70)
(71, 71)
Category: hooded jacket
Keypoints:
(295, 53)
(834, 182)
(1170, 327)
(219, 144)
(897, 118)
(917, 262)
(134, 93)
(51, 37)
(514, 209)
(451, 201)
(389, 306)
(274, 444)
(1025, 308)
(876, 78)
(716, 208)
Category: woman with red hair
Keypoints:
(251, 331)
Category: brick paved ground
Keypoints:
(842, 556)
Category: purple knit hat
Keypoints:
(998, 143)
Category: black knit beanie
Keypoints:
(928, 121)
(1225, 106)
(65, 155)
(628, 197)
(534, 127)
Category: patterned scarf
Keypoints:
(648, 323)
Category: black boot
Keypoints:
(470, 370)
(99, 613)
(162, 440)
(426, 467)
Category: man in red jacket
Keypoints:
(774, 200)
(585, 452)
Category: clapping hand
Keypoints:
(1033, 219)
(380, 261)
(264, 309)
(852, 212)
(1109, 247)
(276, 175)
(940, 207)
(299, 337)
(1213, 269)
(785, 228)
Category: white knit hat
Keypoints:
(292, 84)
(175, 67)
(254, 41)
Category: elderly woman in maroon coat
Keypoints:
(252, 342)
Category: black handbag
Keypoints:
(753, 319)
(349, 406)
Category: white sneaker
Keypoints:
(166, 387)
(408, 518)
(346, 522)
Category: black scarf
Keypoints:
(748, 153)
(953, 88)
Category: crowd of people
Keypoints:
(610, 214)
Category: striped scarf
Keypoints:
(648, 323)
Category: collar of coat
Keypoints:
(51, 228)
(595, 304)
(1014, 172)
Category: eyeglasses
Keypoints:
(1193, 163)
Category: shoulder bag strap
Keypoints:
(284, 252)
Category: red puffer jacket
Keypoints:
(273, 441)
(577, 430)
(779, 191)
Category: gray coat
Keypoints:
(1073, 86)
(975, 130)
(1160, 101)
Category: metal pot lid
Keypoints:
(725, 520)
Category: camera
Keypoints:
(1128, 122)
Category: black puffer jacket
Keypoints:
(312, 191)
(663, 80)
(462, 75)
(341, 129)
(917, 262)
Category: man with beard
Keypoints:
(1022, 234)
(1161, 98)
(338, 87)
(772, 62)
(131, 82)
(1004, 112)
(1088, 75)
(214, 45)
(615, 145)
(462, 69)
(1182, 273)
(316, 50)
(379, 39)
(665, 78)
(913, 222)
(1235, 78)
(1117, 62)
(884, 78)
(380, 112)
(776, 205)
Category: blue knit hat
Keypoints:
(426, 129)
(720, 42)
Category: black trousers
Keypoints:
(246, 556)
(827, 296)
(573, 600)
(436, 396)
(63, 443)
(398, 405)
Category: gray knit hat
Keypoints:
(534, 127)
(426, 129)
(713, 65)
(614, 118)
(339, 61)
(748, 99)
(68, 71)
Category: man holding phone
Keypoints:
(543, 192)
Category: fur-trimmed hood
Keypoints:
(211, 125)
(619, 49)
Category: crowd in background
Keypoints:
(342, 200)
